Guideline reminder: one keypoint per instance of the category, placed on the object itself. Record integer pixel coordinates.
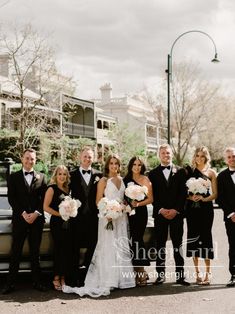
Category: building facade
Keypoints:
(134, 111)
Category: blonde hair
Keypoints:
(86, 148)
(229, 150)
(54, 175)
(164, 146)
(206, 154)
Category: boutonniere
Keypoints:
(37, 176)
(174, 170)
(97, 179)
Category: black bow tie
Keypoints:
(165, 167)
(30, 172)
(86, 171)
(232, 172)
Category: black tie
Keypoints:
(86, 171)
(232, 172)
(30, 172)
(165, 167)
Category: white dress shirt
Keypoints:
(166, 171)
(28, 177)
(86, 176)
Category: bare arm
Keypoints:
(149, 198)
(100, 189)
(47, 201)
(213, 188)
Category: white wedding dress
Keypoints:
(111, 265)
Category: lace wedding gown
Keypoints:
(111, 265)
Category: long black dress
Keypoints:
(138, 223)
(60, 234)
(199, 221)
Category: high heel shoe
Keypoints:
(142, 278)
(198, 278)
(56, 284)
(207, 280)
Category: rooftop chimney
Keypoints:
(106, 93)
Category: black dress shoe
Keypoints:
(8, 289)
(39, 287)
(182, 282)
(160, 280)
(231, 282)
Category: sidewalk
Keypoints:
(164, 299)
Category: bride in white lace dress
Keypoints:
(111, 265)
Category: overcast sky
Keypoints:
(126, 42)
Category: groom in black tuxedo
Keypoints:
(84, 227)
(26, 189)
(169, 195)
(226, 200)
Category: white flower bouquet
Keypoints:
(110, 209)
(197, 186)
(69, 208)
(135, 192)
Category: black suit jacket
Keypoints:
(77, 192)
(168, 194)
(23, 197)
(226, 193)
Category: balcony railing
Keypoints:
(154, 142)
(74, 129)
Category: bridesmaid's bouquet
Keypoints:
(135, 192)
(110, 209)
(198, 186)
(69, 208)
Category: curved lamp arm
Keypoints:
(169, 72)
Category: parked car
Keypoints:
(46, 249)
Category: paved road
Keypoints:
(168, 298)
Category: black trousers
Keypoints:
(230, 229)
(20, 230)
(175, 227)
(83, 234)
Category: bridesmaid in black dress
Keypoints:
(138, 222)
(200, 216)
(56, 192)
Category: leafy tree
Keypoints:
(126, 144)
(34, 82)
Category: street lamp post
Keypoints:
(169, 75)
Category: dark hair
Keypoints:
(30, 150)
(130, 166)
(106, 165)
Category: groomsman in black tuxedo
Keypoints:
(226, 200)
(169, 195)
(85, 226)
(26, 189)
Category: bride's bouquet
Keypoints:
(69, 208)
(198, 186)
(111, 209)
(135, 192)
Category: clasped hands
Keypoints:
(196, 198)
(134, 203)
(168, 213)
(29, 218)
